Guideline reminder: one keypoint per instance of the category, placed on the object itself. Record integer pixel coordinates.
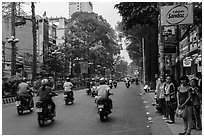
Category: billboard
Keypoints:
(176, 15)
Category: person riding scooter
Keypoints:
(45, 92)
(23, 91)
(103, 93)
(68, 87)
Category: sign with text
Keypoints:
(84, 67)
(176, 15)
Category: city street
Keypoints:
(128, 116)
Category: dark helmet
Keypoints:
(67, 79)
(24, 79)
(102, 81)
(44, 81)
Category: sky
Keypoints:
(58, 9)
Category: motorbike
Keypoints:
(103, 109)
(127, 84)
(68, 98)
(111, 85)
(23, 103)
(115, 84)
(44, 111)
(88, 91)
(93, 91)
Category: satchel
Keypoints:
(180, 113)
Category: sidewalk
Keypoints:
(175, 129)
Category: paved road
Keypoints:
(81, 118)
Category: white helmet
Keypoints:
(44, 81)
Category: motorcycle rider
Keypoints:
(103, 93)
(68, 87)
(23, 90)
(44, 94)
(51, 82)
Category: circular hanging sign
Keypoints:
(177, 14)
(186, 62)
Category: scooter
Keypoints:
(127, 84)
(115, 84)
(93, 91)
(111, 85)
(103, 109)
(88, 91)
(68, 98)
(23, 103)
(44, 111)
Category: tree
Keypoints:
(90, 37)
(146, 15)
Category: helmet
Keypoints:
(44, 81)
(24, 79)
(102, 81)
(67, 79)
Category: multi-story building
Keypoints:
(80, 6)
(46, 37)
(190, 50)
(62, 24)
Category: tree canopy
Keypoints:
(90, 37)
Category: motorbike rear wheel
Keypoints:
(102, 116)
(41, 120)
(32, 106)
(19, 110)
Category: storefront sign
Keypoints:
(176, 15)
(187, 62)
(84, 67)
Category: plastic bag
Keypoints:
(180, 112)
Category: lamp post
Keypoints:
(13, 41)
(55, 53)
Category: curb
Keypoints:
(8, 100)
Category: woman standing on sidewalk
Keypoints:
(170, 98)
(196, 99)
(185, 103)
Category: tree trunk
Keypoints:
(34, 42)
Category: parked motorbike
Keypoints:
(23, 103)
(103, 109)
(68, 98)
(44, 111)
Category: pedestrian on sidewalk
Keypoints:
(160, 96)
(185, 103)
(196, 99)
(170, 98)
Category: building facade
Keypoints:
(46, 37)
(80, 6)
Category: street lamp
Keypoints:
(13, 41)
(55, 53)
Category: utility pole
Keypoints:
(161, 45)
(13, 53)
(143, 47)
(34, 42)
(178, 52)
